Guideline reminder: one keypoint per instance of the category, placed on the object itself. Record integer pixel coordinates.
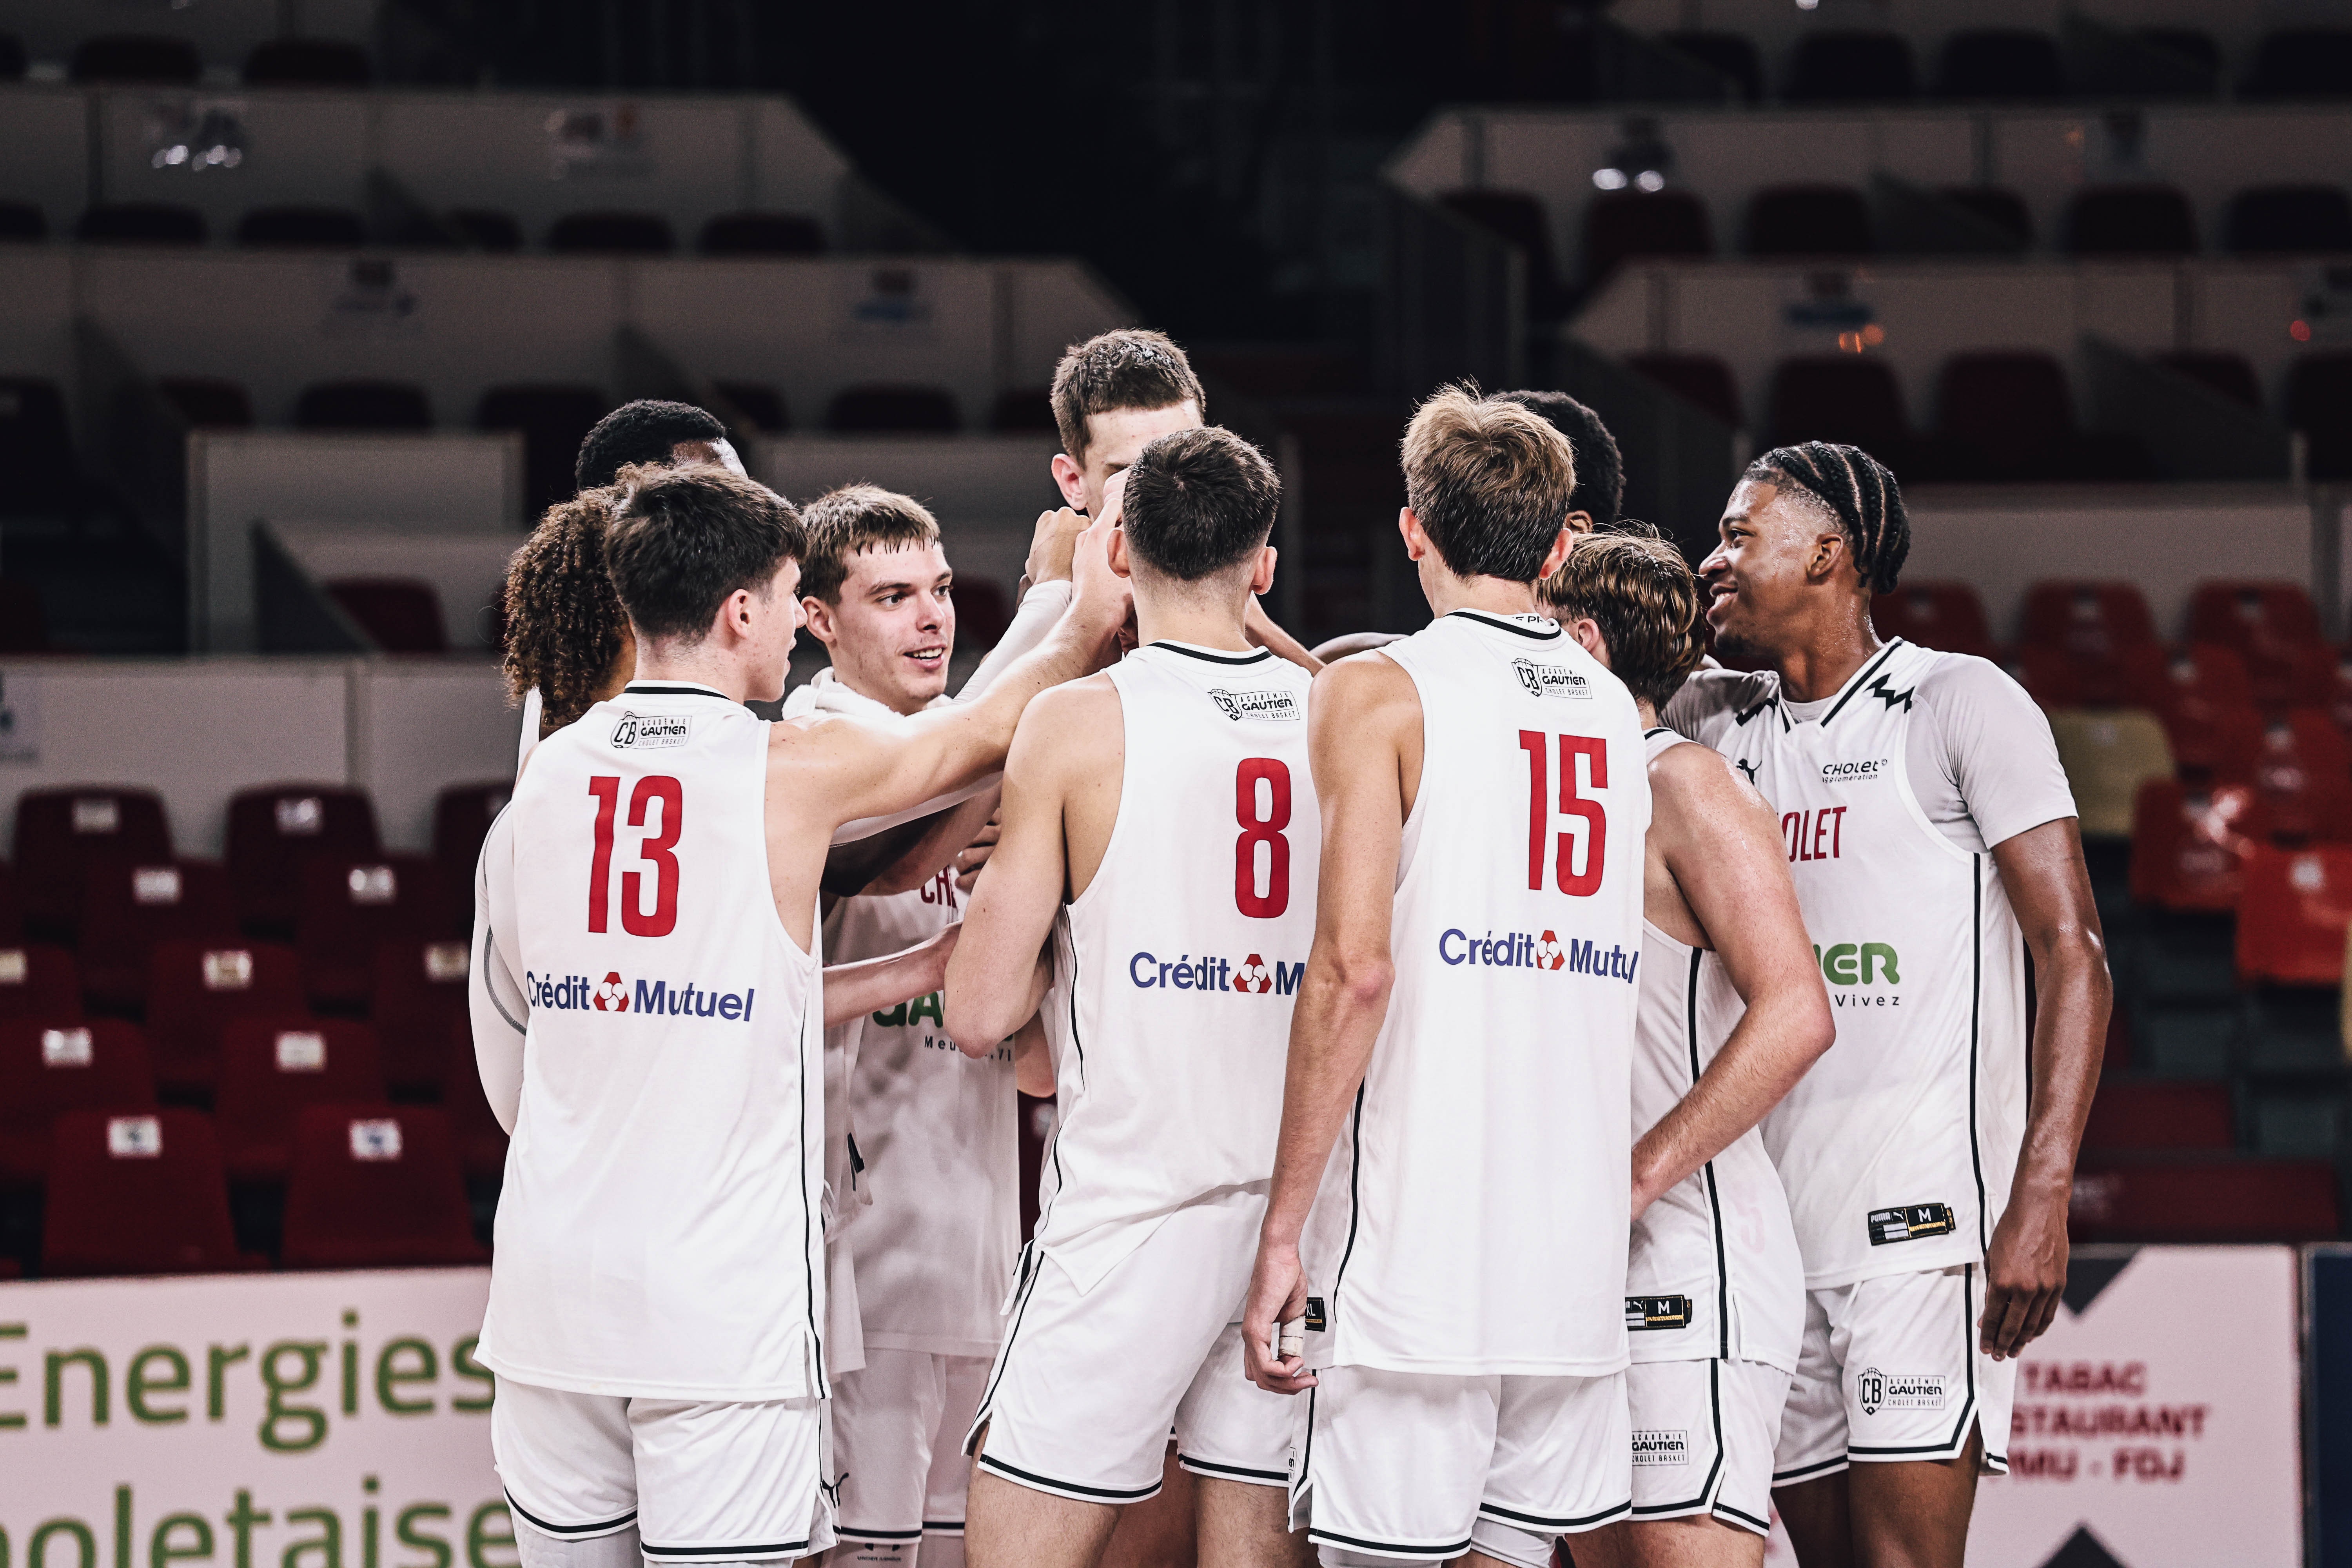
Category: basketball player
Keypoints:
(1928, 829)
(1600, 498)
(1464, 1037)
(1159, 828)
(657, 1300)
(1732, 1014)
(936, 1205)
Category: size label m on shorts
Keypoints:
(1657, 1312)
(1914, 1222)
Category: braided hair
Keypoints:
(1858, 491)
(564, 622)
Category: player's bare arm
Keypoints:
(2026, 1265)
(872, 984)
(828, 772)
(1364, 739)
(1061, 795)
(1717, 843)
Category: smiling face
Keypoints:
(893, 631)
(1778, 546)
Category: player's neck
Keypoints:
(1209, 626)
(1648, 712)
(692, 667)
(1496, 595)
(1825, 654)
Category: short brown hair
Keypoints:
(1642, 593)
(682, 540)
(1490, 481)
(1130, 368)
(1198, 501)
(563, 621)
(841, 523)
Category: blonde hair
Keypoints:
(1490, 481)
(1642, 593)
(842, 523)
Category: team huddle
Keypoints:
(1516, 1082)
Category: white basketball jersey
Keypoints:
(1472, 1218)
(936, 1242)
(659, 1233)
(1715, 1270)
(1175, 972)
(1897, 1148)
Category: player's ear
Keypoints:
(1115, 551)
(1416, 538)
(1262, 577)
(819, 617)
(1587, 632)
(1829, 552)
(1071, 479)
(1580, 522)
(1557, 553)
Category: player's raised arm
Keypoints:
(992, 984)
(1364, 737)
(2026, 1264)
(1721, 843)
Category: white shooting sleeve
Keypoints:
(495, 998)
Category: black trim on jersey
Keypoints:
(544, 1528)
(1355, 1210)
(1005, 1357)
(1714, 1197)
(634, 690)
(490, 940)
(943, 1526)
(1113, 1493)
(1260, 657)
(1760, 1526)
(1502, 626)
(1713, 1471)
(765, 1549)
(1863, 674)
(1807, 1472)
(1953, 1446)
(852, 1533)
(1390, 1548)
(1306, 1454)
(1976, 1003)
(1542, 1521)
(1652, 734)
(808, 1210)
(1212, 1468)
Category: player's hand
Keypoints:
(1053, 546)
(974, 856)
(2025, 1272)
(1278, 1295)
(1103, 600)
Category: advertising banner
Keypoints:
(261, 1421)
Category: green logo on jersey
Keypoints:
(1848, 964)
(914, 1012)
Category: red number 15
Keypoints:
(1595, 750)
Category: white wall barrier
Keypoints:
(199, 729)
(309, 1420)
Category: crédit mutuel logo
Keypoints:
(1542, 952)
(578, 994)
(1240, 705)
(643, 731)
(1550, 679)
(1252, 976)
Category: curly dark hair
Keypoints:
(565, 625)
(645, 431)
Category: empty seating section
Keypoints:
(271, 832)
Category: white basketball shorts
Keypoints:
(1087, 1387)
(700, 1482)
(1704, 1434)
(1889, 1371)
(1424, 1466)
(897, 1444)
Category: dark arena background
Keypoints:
(306, 306)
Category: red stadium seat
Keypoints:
(38, 982)
(399, 614)
(2139, 1114)
(350, 906)
(481, 1142)
(376, 1187)
(49, 1069)
(2201, 694)
(1948, 617)
(2291, 915)
(12, 908)
(192, 989)
(2193, 1197)
(1701, 379)
(270, 1069)
(462, 815)
(2275, 628)
(2188, 848)
(2087, 620)
(272, 831)
(420, 994)
(136, 1193)
(2304, 773)
(1838, 397)
(59, 832)
(127, 907)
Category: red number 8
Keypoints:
(1265, 830)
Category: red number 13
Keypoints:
(1595, 750)
(656, 849)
